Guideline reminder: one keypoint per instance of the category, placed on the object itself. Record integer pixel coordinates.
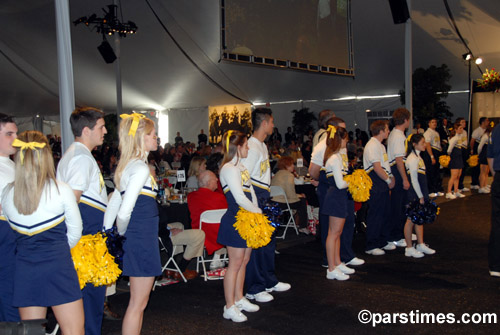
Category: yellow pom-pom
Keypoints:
(473, 160)
(93, 263)
(360, 185)
(254, 228)
(444, 160)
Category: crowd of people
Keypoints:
(47, 204)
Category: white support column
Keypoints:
(65, 66)
(409, 66)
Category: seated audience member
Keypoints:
(213, 164)
(175, 234)
(284, 178)
(198, 164)
(206, 198)
(294, 152)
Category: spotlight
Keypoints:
(479, 60)
(467, 56)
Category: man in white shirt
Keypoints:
(474, 143)
(431, 159)
(376, 164)
(260, 278)
(396, 153)
(8, 133)
(323, 117)
(80, 171)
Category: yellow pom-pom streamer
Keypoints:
(93, 263)
(473, 160)
(360, 185)
(254, 228)
(444, 160)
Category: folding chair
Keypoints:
(170, 260)
(209, 217)
(275, 191)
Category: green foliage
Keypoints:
(302, 120)
(112, 127)
(430, 86)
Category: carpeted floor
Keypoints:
(455, 280)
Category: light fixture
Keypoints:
(479, 60)
(467, 56)
(108, 25)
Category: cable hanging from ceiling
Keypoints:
(469, 55)
(206, 75)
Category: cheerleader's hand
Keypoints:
(422, 200)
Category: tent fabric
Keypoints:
(156, 76)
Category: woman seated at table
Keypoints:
(284, 178)
(197, 166)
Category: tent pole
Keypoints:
(118, 75)
(65, 66)
(408, 67)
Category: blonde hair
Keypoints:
(131, 147)
(194, 167)
(36, 171)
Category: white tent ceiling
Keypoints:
(156, 75)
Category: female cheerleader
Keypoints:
(482, 149)
(416, 169)
(336, 203)
(45, 217)
(134, 206)
(237, 186)
(456, 162)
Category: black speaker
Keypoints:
(399, 9)
(107, 52)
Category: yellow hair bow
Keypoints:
(135, 122)
(407, 141)
(332, 130)
(229, 132)
(24, 146)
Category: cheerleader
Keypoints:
(462, 144)
(456, 162)
(336, 204)
(133, 204)
(416, 169)
(482, 149)
(237, 186)
(44, 215)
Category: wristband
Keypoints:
(388, 180)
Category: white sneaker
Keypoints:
(413, 237)
(244, 305)
(495, 273)
(401, 243)
(356, 261)
(260, 297)
(389, 246)
(375, 252)
(336, 274)
(459, 195)
(412, 252)
(465, 189)
(345, 269)
(440, 194)
(488, 187)
(474, 187)
(433, 195)
(450, 196)
(425, 249)
(280, 287)
(234, 314)
(484, 190)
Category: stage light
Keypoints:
(479, 60)
(467, 56)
